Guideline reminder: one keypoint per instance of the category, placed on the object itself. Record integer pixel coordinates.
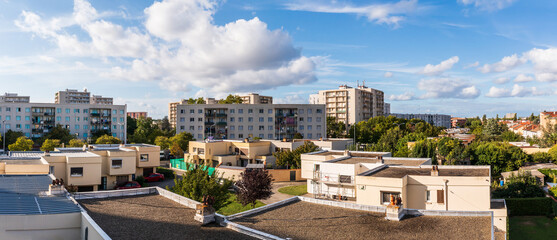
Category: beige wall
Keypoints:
(51, 226)
(279, 175)
(368, 189)
(153, 156)
(91, 171)
(39, 168)
(535, 150)
(128, 162)
(93, 229)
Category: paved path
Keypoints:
(276, 196)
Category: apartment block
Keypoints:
(239, 121)
(439, 120)
(548, 118)
(352, 105)
(82, 118)
(254, 98)
(137, 115)
(387, 109)
(457, 122)
(13, 98)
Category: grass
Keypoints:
(236, 207)
(532, 227)
(294, 190)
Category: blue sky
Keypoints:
(458, 57)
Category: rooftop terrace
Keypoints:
(151, 217)
(303, 220)
(398, 172)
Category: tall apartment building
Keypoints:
(351, 105)
(239, 121)
(439, 120)
(387, 109)
(73, 96)
(14, 98)
(82, 118)
(137, 115)
(254, 98)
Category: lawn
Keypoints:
(532, 227)
(236, 207)
(294, 190)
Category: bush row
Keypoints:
(541, 206)
(168, 174)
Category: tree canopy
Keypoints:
(21, 144)
(107, 139)
(254, 184)
(196, 183)
(50, 144)
(231, 99)
(76, 143)
(523, 185)
(292, 159)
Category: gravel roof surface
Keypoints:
(398, 172)
(302, 220)
(151, 217)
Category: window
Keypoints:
(319, 135)
(309, 127)
(241, 135)
(301, 111)
(8, 126)
(261, 119)
(18, 126)
(85, 126)
(192, 119)
(27, 118)
(199, 128)
(261, 128)
(76, 172)
(76, 126)
(27, 109)
(232, 128)
(67, 110)
(85, 110)
(318, 127)
(232, 135)
(309, 136)
(113, 127)
(200, 111)
(440, 196)
(240, 111)
(181, 110)
(318, 119)
(301, 127)
(250, 119)
(18, 109)
(67, 119)
(192, 128)
(144, 157)
(182, 119)
(309, 111)
(182, 127)
(8, 109)
(76, 110)
(345, 179)
(27, 126)
(231, 111)
(58, 119)
(269, 119)
(114, 111)
(250, 128)
(240, 119)
(201, 151)
(270, 127)
(18, 118)
(261, 136)
(232, 119)
(261, 110)
(386, 197)
(428, 196)
(270, 111)
(121, 111)
(192, 111)
(270, 136)
(301, 119)
(199, 136)
(200, 119)
(8, 118)
(116, 163)
(309, 119)
(85, 135)
(121, 119)
(240, 128)
(250, 110)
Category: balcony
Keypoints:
(209, 123)
(221, 115)
(221, 123)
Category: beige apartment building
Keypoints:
(254, 98)
(239, 121)
(351, 105)
(14, 98)
(72, 109)
(371, 178)
(548, 118)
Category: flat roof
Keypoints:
(75, 154)
(24, 194)
(151, 217)
(303, 220)
(386, 160)
(398, 172)
(26, 154)
(22, 161)
(352, 153)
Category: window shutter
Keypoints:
(440, 196)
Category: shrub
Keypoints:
(553, 191)
(524, 185)
(541, 206)
(141, 181)
(168, 174)
(254, 184)
(197, 183)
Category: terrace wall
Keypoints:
(48, 226)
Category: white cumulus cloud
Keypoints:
(181, 47)
(516, 91)
(441, 67)
(388, 75)
(488, 5)
(507, 63)
(523, 78)
(447, 88)
(501, 80)
(402, 97)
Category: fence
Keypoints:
(179, 163)
(114, 193)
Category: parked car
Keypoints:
(129, 185)
(154, 177)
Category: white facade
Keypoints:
(352, 105)
(13, 97)
(36, 119)
(439, 120)
(239, 121)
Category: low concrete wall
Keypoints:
(90, 228)
(47, 226)
(114, 193)
(177, 198)
(262, 208)
(369, 208)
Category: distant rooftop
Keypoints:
(352, 153)
(26, 154)
(399, 172)
(386, 160)
(21, 194)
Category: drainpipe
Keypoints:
(446, 195)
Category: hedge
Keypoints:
(541, 206)
(168, 174)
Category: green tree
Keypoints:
(298, 136)
(197, 182)
(131, 125)
(21, 144)
(484, 118)
(335, 129)
(11, 137)
(492, 128)
(541, 157)
(501, 156)
(183, 140)
(165, 124)
(231, 99)
(76, 143)
(59, 132)
(523, 185)
(50, 144)
(425, 149)
(510, 136)
(553, 152)
(146, 132)
(549, 135)
(176, 150)
(162, 142)
(198, 100)
(292, 159)
(107, 139)
(254, 184)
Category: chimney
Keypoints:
(320, 139)
(381, 159)
(346, 153)
(246, 140)
(47, 153)
(284, 140)
(434, 170)
(84, 148)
